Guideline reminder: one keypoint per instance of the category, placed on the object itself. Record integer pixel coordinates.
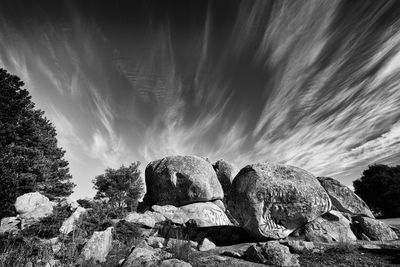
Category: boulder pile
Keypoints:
(193, 206)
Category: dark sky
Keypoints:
(313, 84)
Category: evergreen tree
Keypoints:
(29, 157)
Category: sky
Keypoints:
(313, 83)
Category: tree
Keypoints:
(122, 187)
(379, 187)
(30, 159)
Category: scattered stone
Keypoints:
(206, 245)
(156, 216)
(225, 172)
(142, 257)
(272, 253)
(343, 198)
(272, 200)
(370, 247)
(298, 246)
(233, 254)
(330, 227)
(98, 246)
(70, 224)
(141, 219)
(156, 242)
(375, 229)
(33, 206)
(174, 263)
(10, 225)
(180, 180)
(206, 214)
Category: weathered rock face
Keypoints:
(343, 198)
(272, 200)
(174, 263)
(206, 214)
(98, 246)
(375, 229)
(142, 219)
(33, 206)
(171, 213)
(180, 180)
(272, 253)
(70, 224)
(9, 225)
(142, 257)
(330, 227)
(225, 172)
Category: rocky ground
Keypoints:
(267, 214)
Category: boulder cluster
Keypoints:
(283, 208)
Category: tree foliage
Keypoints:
(29, 157)
(122, 187)
(379, 187)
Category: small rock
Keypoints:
(70, 224)
(370, 246)
(145, 256)
(98, 246)
(233, 254)
(206, 245)
(10, 225)
(272, 253)
(142, 219)
(300, 246)
(156, 242)
(174, 263)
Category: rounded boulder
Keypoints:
(270, 200)
(180, 180)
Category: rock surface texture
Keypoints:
(272, 200)
(180, 180)
(271, 253)
(33, 206)
(225, 172)
(376, 230)
(343, 198)
(330, 227)
(10, 225)
(206, 214)
(98, 246)
(70, 223)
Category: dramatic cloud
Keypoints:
(308, 83)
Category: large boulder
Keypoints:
(98, 246)
(225, 172)
(375, 229)
(272, 200)
(206, 214)
(343, 198)
(330, 227)
(33, 206)
(180, 180)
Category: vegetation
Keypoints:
(30, 159)
(121, 187)
(379, 187)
